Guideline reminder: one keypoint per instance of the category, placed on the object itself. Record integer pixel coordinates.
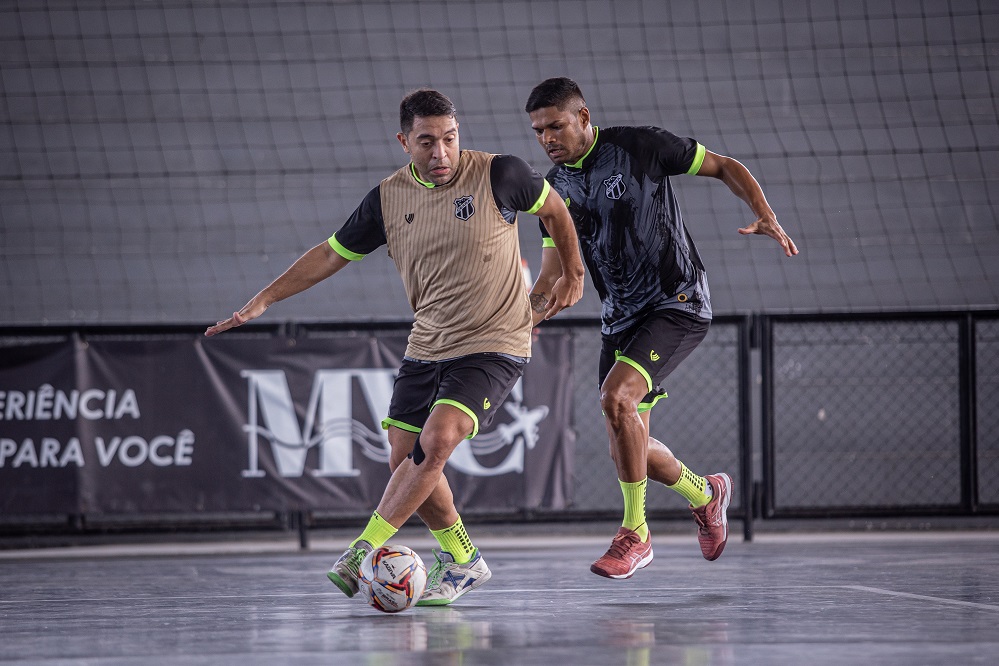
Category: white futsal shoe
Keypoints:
(447, 580)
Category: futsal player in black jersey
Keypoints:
(656, 307)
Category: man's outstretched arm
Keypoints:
(308, 270)
(744, 185)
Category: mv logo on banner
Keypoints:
(329, 423)
(330, 426)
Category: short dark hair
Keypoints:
(425, 103)
(557, 92)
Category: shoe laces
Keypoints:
(436, 572)
(706, 518)
(352, 561)
(620, 545)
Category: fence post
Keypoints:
(767, 413)
(968, 399)
(746, 423)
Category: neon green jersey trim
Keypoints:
(624, 359)
(541, 200)
(342, 251)
(547, 241)
(416, 176)
(579, 163)
(475, 419)
(695, 166)
(386, 422)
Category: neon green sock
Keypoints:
(694, 488)
(634, 507)
(455, 540)
(377, 532)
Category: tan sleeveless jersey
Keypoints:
(459, 261)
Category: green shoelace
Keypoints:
(436, 572)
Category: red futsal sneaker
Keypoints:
(626, 555)
(712, 519)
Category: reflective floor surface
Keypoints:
(888, 598)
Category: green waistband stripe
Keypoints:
(386, 422)
(454, 403)
(646, 406)
(624, 359)
(547, 241)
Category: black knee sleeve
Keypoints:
(418, 455)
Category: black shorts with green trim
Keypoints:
(654, 346)
(477, 384)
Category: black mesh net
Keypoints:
(163, 161)
(866, 414)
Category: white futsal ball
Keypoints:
(392, 578)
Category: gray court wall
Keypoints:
(161, 162)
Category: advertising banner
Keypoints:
(184, 424)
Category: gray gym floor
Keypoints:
(829, 598)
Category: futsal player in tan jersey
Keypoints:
(449, 221)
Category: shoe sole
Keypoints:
(728, 500)
(644, 562)
(444, 602)
(341, 583)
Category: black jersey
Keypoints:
(636, 247)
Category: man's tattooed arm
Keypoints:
(542, 293)
(538, 303)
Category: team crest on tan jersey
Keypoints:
(463, 208)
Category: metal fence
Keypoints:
(812, 416)
(986, 404)
(880, 414)
(701, 421)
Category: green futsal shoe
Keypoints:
(346, 570)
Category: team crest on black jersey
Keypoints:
(463, 208)
(614, 186)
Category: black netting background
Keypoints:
(162, 161)
(866, 414)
